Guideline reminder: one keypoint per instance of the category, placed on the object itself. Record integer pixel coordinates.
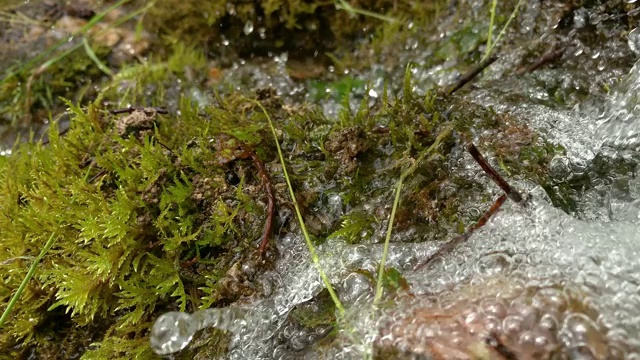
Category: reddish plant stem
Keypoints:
(509, 193)
(271, 201)
(268, 187)
(489, 213)
(493, 174)
(462, 238)
(547, 58)
(469, 75)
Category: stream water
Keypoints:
(535, 279)
(556, 278)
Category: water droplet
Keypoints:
(248, 27)
(633, 39)
(493, 264)
(172, 332)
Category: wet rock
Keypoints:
(504, 321)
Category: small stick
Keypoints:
(96, 176)
(268, 187)
(489, 213)
(131, 109)
(462, 238)
(550, 56)
(493, 174)
(509, 193)
(165, 146)
(471, 74)
(271, 201)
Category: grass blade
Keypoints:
(385, 251)
(92, 55)
(491, 22)
(504, 29)
(303, 228)
(26, 279)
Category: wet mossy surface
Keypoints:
(165, 213)
(149, 219)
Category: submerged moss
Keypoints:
(166, 215)
(148, 222)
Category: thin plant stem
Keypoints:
(504, 29)
(343, 5)
(307, 238)
(26, 279)
(490, 33)
(385, 250)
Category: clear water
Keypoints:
(534, 279)
(535, 275)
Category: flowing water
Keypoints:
(535, 275)
(536, 279)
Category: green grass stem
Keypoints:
(26, 279)
(396, 202)
(491, 23)
(307, 238)
(504, 29)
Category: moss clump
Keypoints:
(141, 227)
(148, 219)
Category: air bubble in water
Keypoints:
(248, 27)
(174, 330)
(493, 264)
(634, 41)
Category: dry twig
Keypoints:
(471, 74)
(548, 57)
(509, 193)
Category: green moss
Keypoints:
(144, 229)
(251, 27)
(147, 223)
(319, 312)
(130, 216)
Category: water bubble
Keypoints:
(493, 264)
(172, 332)
(578, 330)
(493, 308)
(580, 18)
(512, 325)
(633, 39)
(248, 27)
